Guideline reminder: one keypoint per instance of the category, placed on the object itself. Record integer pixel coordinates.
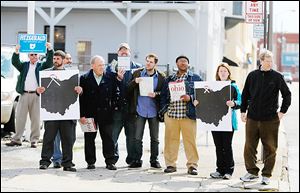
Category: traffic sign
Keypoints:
(254, 12)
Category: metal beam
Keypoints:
(30, 17)
(119, 15)
(62, 14)
(187, 16)
(138, 16)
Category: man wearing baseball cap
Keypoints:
(122, 117)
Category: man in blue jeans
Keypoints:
(146, 108)
(121, 116)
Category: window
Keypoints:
(84, 51)
(237, 8)
(59, 36)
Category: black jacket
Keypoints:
(134, 91)
(98, 101)
(260, 95)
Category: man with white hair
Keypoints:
(97, 102)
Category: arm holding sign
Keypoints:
(49, 60)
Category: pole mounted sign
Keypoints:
(254, 12)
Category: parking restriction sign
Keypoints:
(254, 12)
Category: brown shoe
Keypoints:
(13, 143)
(33, 145)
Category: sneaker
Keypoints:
(43, 167)
(13, 143)
(111, 166)
(216, 175)
(265, 180)
(155, 165)
(170, 169)
(69, 169)
(135, 164)
(91, 166)
(227, 177)
(56, 165)
(248, 177)
(33, 145)
(192, 171)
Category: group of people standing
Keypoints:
(111, 96)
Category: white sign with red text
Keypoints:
(177, 89)
(254, 12)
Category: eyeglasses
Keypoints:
(32, 54)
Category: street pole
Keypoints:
(265, 24)
(270, 27)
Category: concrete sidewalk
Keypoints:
(19, 169)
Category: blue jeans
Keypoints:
(57, 155)
(139, 133)
(122, 119)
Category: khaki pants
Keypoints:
(172, 141)
(267, 131)
(28, 102)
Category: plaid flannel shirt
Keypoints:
(177, 109)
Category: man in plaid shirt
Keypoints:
(179, 116)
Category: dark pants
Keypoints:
(66, 131)
(123, 119)
(139, 133)
(223, 141)
(267, 131)
(108, 149)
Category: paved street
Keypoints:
(19, 170)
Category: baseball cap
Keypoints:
(124, 45)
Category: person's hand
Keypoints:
(230, 103)
(185, 98)
(244, 117)
(40, 90)
(196, 102)
(151, 94)
(48, 45)
(78, 89)
(280, 115)
(121, 72)
(17, 48)
(138, 80)
(83, 120)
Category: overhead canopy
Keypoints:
(229, 62)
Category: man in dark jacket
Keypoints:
(97, 102)
(179, 116)
(29, 100)
(146, 107)
(121, 116)
(260, 98)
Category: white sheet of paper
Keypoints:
(177, 89)
(124, 62)
(89, 126)
(146, 86)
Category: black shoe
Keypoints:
(33, 145)
(111, 166)
(43, 167)
(13, 143)
(56, 165)
(156, 165)
(70, 169)
(73, 164)
(170, 169)
(192, 171)
(135, 164)
(91, 166)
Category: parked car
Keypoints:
(9, 96)
(287, 77)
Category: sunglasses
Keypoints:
(32, 54)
